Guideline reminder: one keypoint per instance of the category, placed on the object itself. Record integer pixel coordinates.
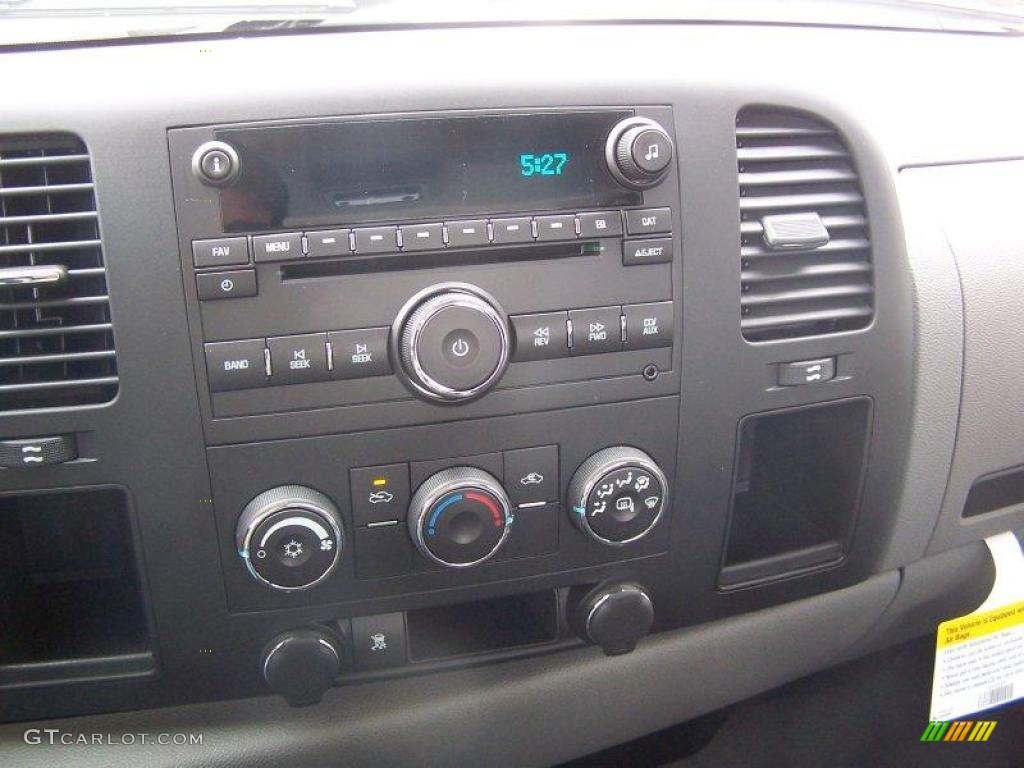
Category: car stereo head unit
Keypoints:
(396, 260)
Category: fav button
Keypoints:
(361, 353)
(281, 247)
(222, 252)
(235, 364)
(648, 325)
(596, 330)
(540, 337)
(298, 359)
(380, 494)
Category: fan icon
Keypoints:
(293, 549)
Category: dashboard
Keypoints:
(419, 381)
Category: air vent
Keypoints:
(56, 340)
(807, 269)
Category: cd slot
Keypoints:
(355, 265)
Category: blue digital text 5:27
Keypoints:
(547, 164)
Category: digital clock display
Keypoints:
(353, 171)
(546, 164)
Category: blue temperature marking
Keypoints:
(580, 511)
(441, 507)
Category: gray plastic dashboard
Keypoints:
(936, 139)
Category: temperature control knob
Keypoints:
(639, 152)
(452, 342)
(459, 517)
(617, 495)
(290, 537)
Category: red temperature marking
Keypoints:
(487, 501)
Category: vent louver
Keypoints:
(56, 339)
(792, 163)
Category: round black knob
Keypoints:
(617, 495)
(290, 537)
(639, 152)
(216, 163)
(302, 664)
(452, 342)
(614, 617)
(459, 517)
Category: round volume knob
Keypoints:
(290, 537)
(617, 495)
(639, 152)
(459, 517)
(453, 343)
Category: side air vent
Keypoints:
(56, 339)
(805, 249)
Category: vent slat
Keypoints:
(47, 218)
(832, 223)
(70, 245)
(68, 357)
(56, 340)
(37, 386)
(807, 201)
(40, 160)
(784, 153)
(832, 246)
(804, 294)
(797, 176)
(45, 189)
(790, 162)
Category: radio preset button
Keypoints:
(421, 237)
(226, 285)
(596, 330)
(298, 359)
(284, 246)
(465, 234)
(361, 353)
(220, 252)
(376, 240)
(235, 364)
(648, 325)
(653, 251)
(517, 230)
(330, 242)
(540, 337)
(556, 227)
(606, 224)
(649, 221)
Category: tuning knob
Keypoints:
(301, 665)
(459, 517)
(290, 537)
(614, 617)
(639, 152)
(617, 495)
(452, 343)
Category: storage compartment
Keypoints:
(796, 490)
(70, 594)
(482, 626)
(1001, 490)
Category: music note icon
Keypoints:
(652, 152)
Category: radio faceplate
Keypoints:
(299, 297)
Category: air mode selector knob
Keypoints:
(290, 537)
(617, 495)
(639, 152)
(459, 517)
(452, 343)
